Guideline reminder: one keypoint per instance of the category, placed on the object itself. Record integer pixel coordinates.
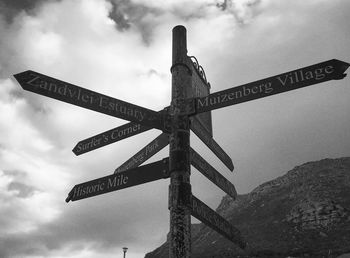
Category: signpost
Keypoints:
(190, 109)
(179, 150)
(147, 173)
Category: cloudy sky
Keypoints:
(122, 48)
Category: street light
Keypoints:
(124, 250)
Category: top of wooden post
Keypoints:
(179, 44)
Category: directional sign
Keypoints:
(108, 137)
(145, 153)
(212, 219)
(200, 88)
(202, 133)
(147, 173)
(321, 72)
(66, 92)
(116, 134)
(212, 174)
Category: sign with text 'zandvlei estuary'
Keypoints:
(212, 219)
(147, 173)
(330, 70)
(66, 92)
(145, 153)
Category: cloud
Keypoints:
(122, 48)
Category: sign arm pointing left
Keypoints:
(66, 92)
(128, 178)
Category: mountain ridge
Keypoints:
(304, 213)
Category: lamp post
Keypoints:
(124, 250)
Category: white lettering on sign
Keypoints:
(118, 180)
(300, 75)
(145, 153)
(80, 191)
(117, 133)
(269, 86)
(265, 88)
(77, 94)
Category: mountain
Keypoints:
(304, 213)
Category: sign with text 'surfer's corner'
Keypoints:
(66, 92)
(108, 137)
(113, 135)
(147, 173)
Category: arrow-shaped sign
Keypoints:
(321, 72)
(66, 92)
(116, 134)
(145, 153)
(203, 134)
(108, 137)
(212, 174)
(212, 219)
(147, 173)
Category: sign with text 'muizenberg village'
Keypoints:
(329, 70)
(147, 173)
(66, 92)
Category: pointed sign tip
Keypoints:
(75, 151)
(68, 199)
(18, 75)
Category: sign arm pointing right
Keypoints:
(329, 70)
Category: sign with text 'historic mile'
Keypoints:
(313, 74)
(66, 92)
(147, 173)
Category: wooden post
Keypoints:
(179, 151)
